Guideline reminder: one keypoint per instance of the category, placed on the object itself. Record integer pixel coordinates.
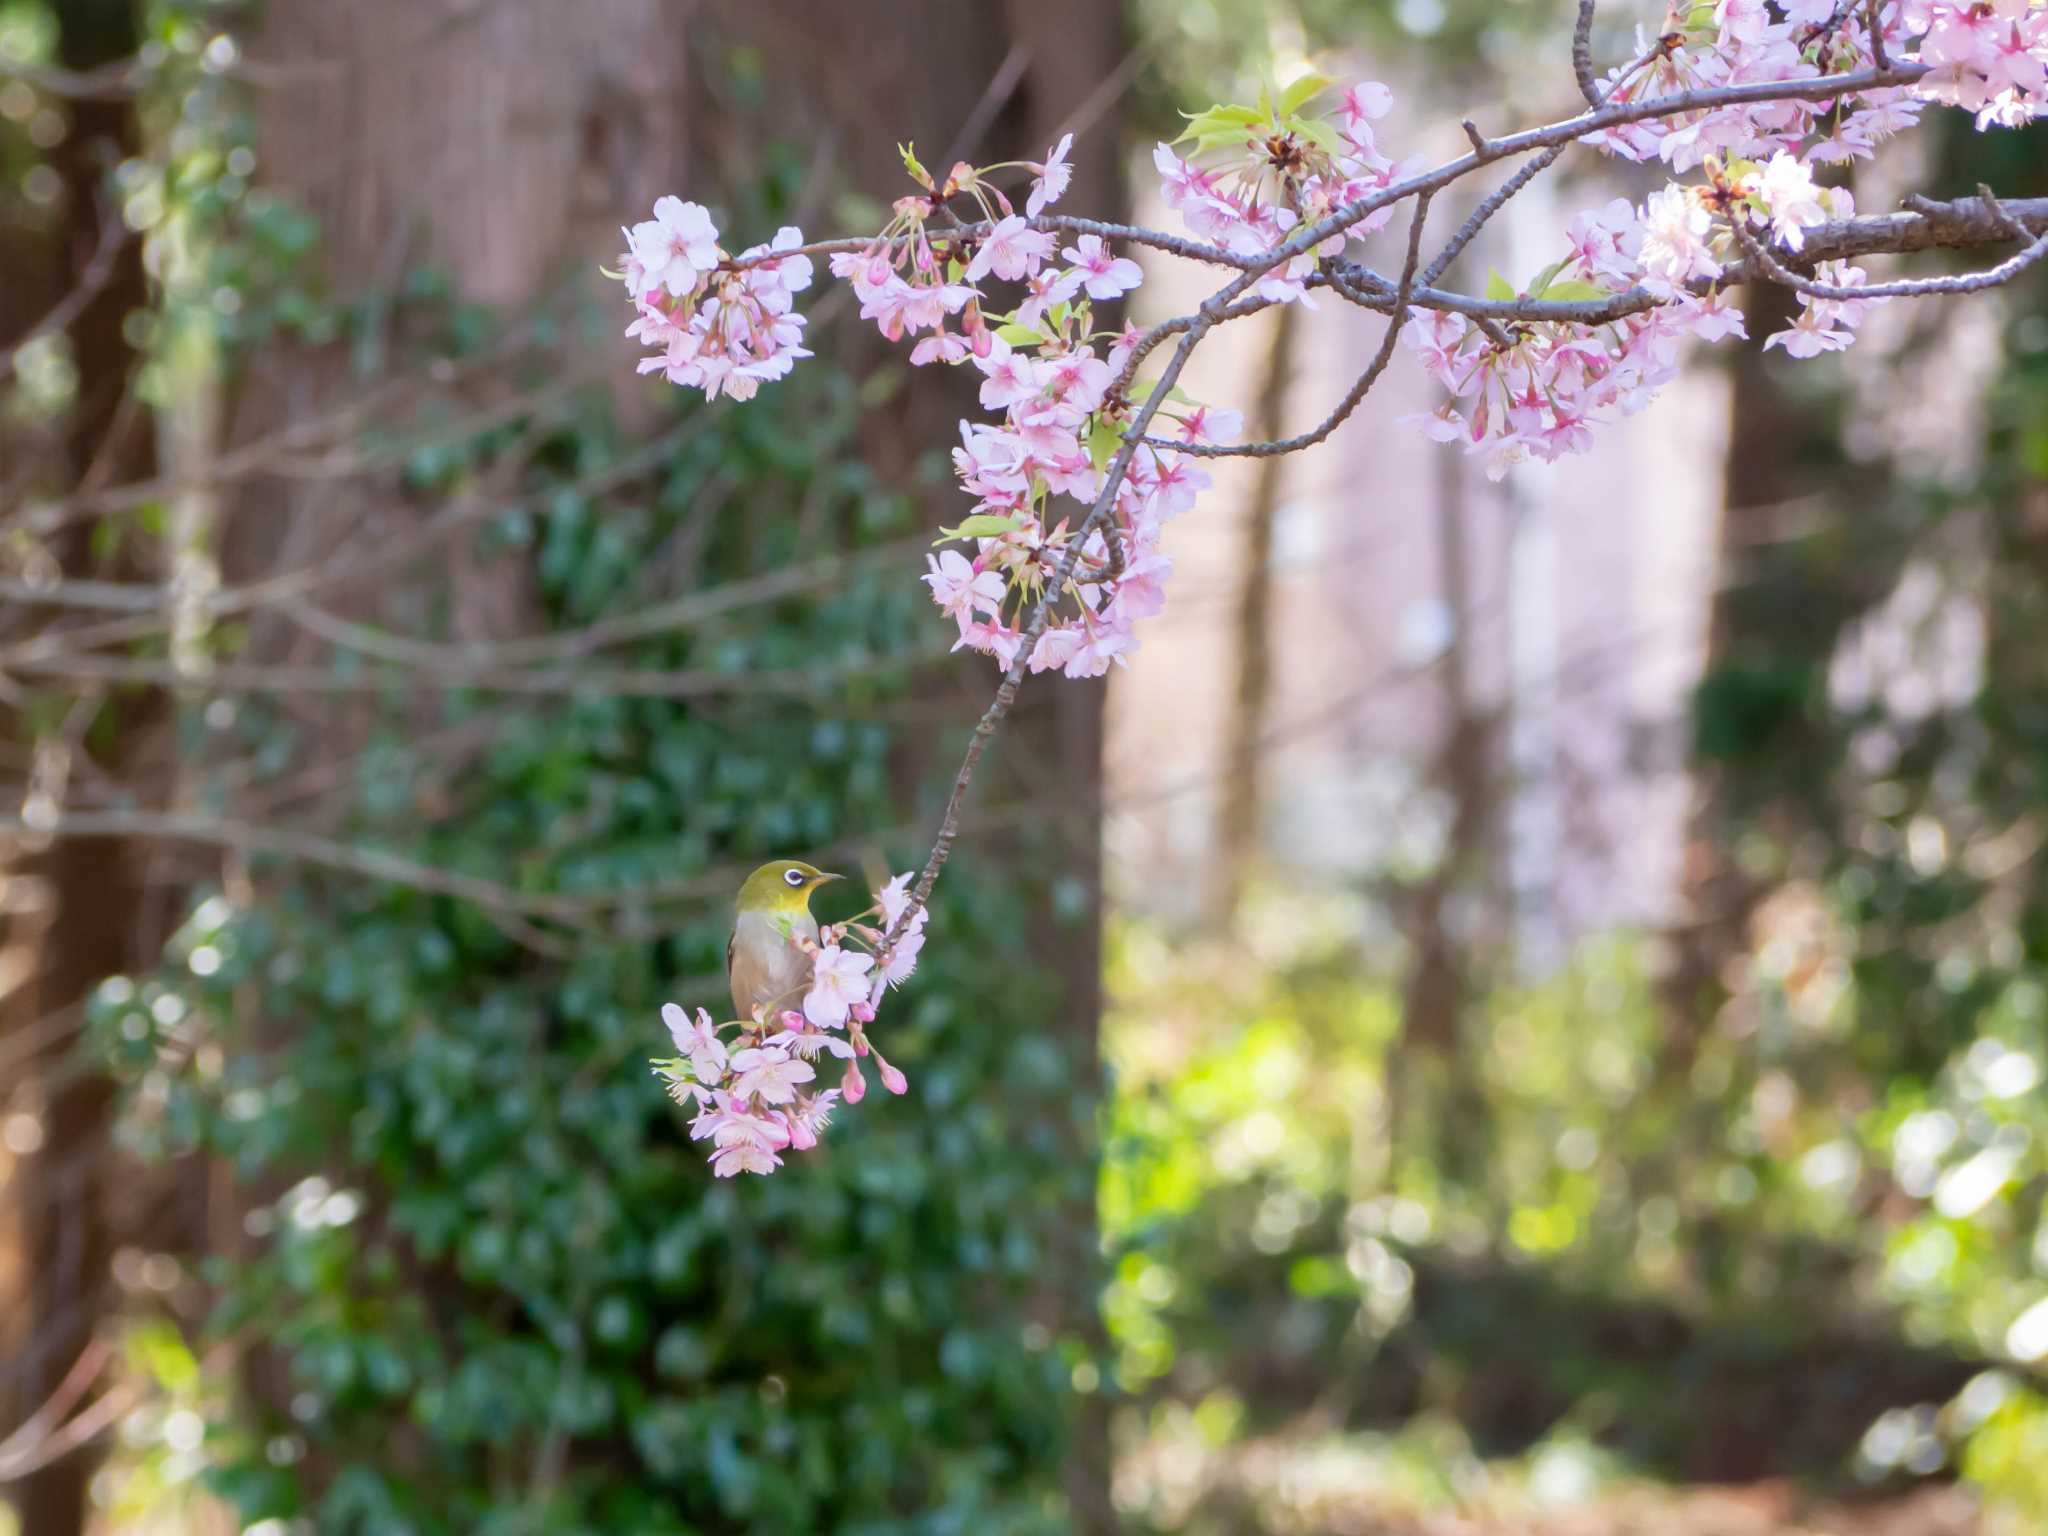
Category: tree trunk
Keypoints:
(1433, 994)
(85, 916)
(1760, 476)
(1238, 818)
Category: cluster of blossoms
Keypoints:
(1988, 56)
(1049, 375)
(1280, 171)
(713, 327)
(1528, 390)
(1740, 42)
(1534, 389)
(754, 1092)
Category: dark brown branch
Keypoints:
(1961, 224)
(1761, 257)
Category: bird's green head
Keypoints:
(784, 886)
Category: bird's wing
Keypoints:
(732, 979)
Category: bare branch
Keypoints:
(1874, 25)
(99, 271)
(621, 682)
(1487, 208)
(1582, 54)
(1760, 256)
(1358, 391)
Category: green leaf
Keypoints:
(1224, 124)
(1540, 284)
(1142, 391)
(1303, 91)
(918, 173)
(1498, 287)
(983, 525)
(1103, 441)
(1019, 335)
(1320, 134)
(1574, 290)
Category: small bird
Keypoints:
(764, 962)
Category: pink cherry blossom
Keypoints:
(808, 1118)
(1674, 247)
(961, 588)
(675, 248)
(1104, 274)
(769, 1074)
(1784, 186)
(698, 1040)
(744, 1157)
(1012, 251)
(1052, 178)
(837, 982)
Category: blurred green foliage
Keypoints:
(1286, 1241)
(502, 1290)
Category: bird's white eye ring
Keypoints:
(792, 877)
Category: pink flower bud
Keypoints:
(892, 1079)
(792, 1019)
(864, 1012)
(853, 1086)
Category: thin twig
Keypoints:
(1041, 615)
(99, 271)
(1487, 208)
(1875, 25)
(1358, 391)
(1582, 54)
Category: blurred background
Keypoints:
(1524, 1008)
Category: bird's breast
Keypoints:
(768, 967)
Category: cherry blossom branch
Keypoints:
(1488, 207)
(1824, 88)
(1041, 615)
(1959, 224)
(1874, 28)
(1119, 386)
(1906, 288)
(976, 229)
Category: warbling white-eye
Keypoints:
(766, 965)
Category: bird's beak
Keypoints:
(826, 878)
